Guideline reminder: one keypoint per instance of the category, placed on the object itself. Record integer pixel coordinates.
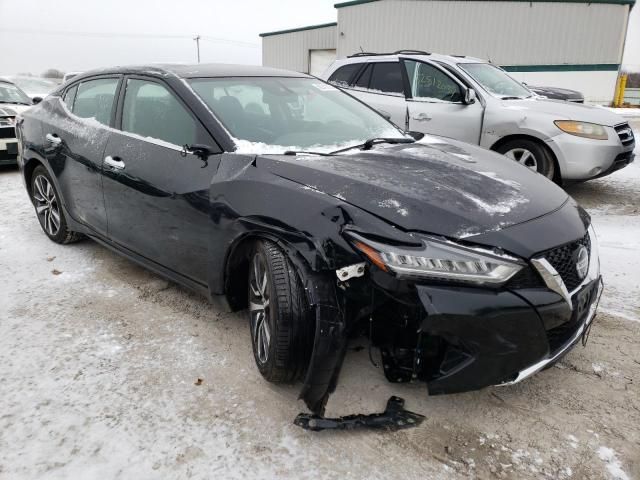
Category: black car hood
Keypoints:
(442, 187)
(557, 91)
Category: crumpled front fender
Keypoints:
(330, 341)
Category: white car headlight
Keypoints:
(582, 129)
(440, 260)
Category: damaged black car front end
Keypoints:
(463, 269)
(461, 277)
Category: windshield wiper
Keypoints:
(512, 98)
(306, 152)
(368, 145)
(15, 103)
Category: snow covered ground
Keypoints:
(100, 361)
(614, 204)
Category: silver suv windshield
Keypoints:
(495, 81)
(279, 114)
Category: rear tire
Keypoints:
(280, 317)
(530, 154)
(46, 200)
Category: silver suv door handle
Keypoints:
(114, 162)
(422, 117)
(53, 138)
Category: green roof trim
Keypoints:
(354, 2)
(615, 2)
(585, 67)
(300, 29)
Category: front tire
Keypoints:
(46, 200)
(530, 154)
(280, 317)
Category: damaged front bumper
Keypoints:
(454, 338)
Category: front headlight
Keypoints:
(439, 260)
(582, 129)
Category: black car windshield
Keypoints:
(495, 81)
(278, 114)
(9, 93)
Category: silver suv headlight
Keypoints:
(439, 259)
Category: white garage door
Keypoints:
(319, 60)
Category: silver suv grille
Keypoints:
(625, 134)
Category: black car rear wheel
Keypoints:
(530, 154)
(280, 321)
(46, 201)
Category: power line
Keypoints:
(127, 35)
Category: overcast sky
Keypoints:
(81, 34)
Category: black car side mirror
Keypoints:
(203, 152)
(386, 115)
(470, 96)
(415, 135)
(36, 100)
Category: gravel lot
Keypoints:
(99, 361)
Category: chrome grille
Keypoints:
(625, 134)
(563, 259)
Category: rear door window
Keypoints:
(387, 78)
(151, 110)
(343, 75)
(365, 77)
(94, 99)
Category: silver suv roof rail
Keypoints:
(371, 54)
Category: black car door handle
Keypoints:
(53, 139)
(114, 162)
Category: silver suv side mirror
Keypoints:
(470, 96)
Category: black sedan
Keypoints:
(272, 191)
(555, 93)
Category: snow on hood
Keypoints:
(562, 110)
(447, 188)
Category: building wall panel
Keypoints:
(509, 33)
(290, 51)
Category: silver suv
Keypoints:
(475, 101)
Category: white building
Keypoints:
(577, 44)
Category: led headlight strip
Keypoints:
(439, 259)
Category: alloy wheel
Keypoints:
(259, 308)
(523, 156)
(47, 205)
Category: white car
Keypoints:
(477, 102)
(13, 101)
(34, 87)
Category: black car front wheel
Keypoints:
(46, 201)
(280, 321)
(530, 154)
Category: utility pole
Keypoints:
(197, 39)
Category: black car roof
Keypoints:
(197, 71)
